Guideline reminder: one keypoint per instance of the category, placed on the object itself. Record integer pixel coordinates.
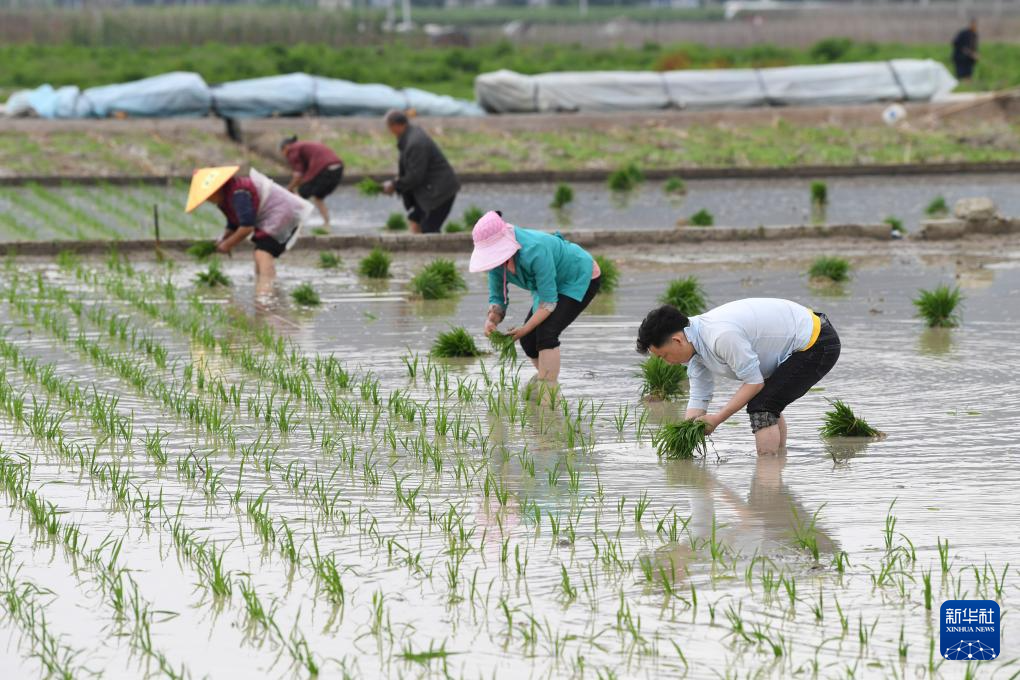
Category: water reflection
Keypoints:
(936, 341)
(843, 449)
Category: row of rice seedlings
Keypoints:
(65, 209)
(45, 220)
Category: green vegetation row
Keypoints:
(447, 70)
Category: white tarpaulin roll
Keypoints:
(858, 83)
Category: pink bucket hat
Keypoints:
(495, 243)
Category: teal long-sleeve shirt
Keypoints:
(547, 265)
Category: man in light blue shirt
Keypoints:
(776, 348)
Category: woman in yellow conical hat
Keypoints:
(256, 207)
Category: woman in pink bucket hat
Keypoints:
(561, 276)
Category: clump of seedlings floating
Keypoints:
(201, 250)
(305, 295)
(687, 295)
(563, 197)
(675, 186)
(937, 207)
(328, 260)
(938, 307)
(396, 222)
(320, 231)
(438, 280)
(610, 274)
(454, 344)
(827, 269)
(702, 218)
(682, 440)
(661, 380)
(212, 277)
(819, 194)
(626, 178)
(504, 344)
(840, 421)
(375, 265)
(896, 226)
(369, 187)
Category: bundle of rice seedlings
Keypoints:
(819, 194)
(375, 265)
(662, 380)
(626, 178)
(305, 295)
(438, 279)
(329, 260)
(937, 207)
(564, 195)
(675, 185)
(938, 307)
(610, 274)
(472, 215)
(396, 222)
(702, 218)
(687, 295)
(841, 422)
(454, 343)
(896, 225)
(201, 250)
(681, 440)
(454, 227)
(834, 269)
(212, 277)
(504, 344)
(320, 231)
(369, 187)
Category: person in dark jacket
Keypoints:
(426, 180)
(317, 172)
(965, 51)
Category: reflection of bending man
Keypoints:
(776, 348)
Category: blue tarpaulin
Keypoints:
(187, 94)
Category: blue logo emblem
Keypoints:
(969, 630)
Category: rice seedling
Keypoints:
(454, 227)
(329, 260)
(819, 194)
(471, 216)
(937, 207)
(896, 226)
(938, 307)
(840, 421)
(625, 178)
(201, 250)
(834, 269)
(213, 276)
(681, 440)
(305, 295)
(563, 197)
(687, 295)
(702, 218)
(437, 280)
(369, 187)
(396, 222)
(320, 231)
(675, 185)
(610, 274)
(375, 265)
(662, 380)
(504, 344)
(455, 343)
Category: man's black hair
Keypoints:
(659, 326)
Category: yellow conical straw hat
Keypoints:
(206, 181)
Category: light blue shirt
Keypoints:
(548, 266)
(744, 340)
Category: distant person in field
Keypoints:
(561, 277)
(256, 208)
(425, 179)
(776, 349)
(317, 172)
(965, 51)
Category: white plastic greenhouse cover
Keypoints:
(856, 83)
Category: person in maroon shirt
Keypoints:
(317, 172)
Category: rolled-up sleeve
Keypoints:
(736, 351)
(498, 295)
(702, 385)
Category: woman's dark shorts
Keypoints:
(323, 184)
(263, 241)
(794, 377)
(547, 335)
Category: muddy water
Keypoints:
(127, 211)
(947, 401)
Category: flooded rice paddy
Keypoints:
(221, 484)
(106, 212)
